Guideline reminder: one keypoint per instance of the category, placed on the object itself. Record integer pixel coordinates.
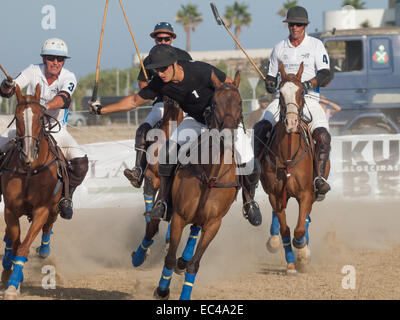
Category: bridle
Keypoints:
(46, 129)
(299, 108)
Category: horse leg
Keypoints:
(139, 256)
(189, 249)
(300, 239)
(148, 194)
(285, 234)
(39, 217)
(177, 225)
(207, 235)
(12, 240)
(44, 249)
(274, 241)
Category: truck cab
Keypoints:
(366, 83)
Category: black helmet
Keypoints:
(161, 55)
(297, 14)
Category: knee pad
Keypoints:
(255, 175)
(261, 128)
(78, 170)
(141, 133)
(322, 141)
(148, 187)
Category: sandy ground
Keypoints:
(91, 254)
(91, 257)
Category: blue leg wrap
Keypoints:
(140, 254)
(289, 254)
(148, 202)
(8, 255)
(308, 221)
(165, 278)
(187, 286)
(44, 249)
(299, 242)
(274, 230)
(191, 243)
(168, 234)
(17, 276)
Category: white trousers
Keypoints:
(312, 110)
(65, 141)
(189, 130)
(156, 114)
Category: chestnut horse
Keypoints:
(173, 115)
(203, 193)
(30, 186)
(287, 170)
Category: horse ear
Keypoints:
(37, 92)
(236, 81)
(18, 93)
(300, 72)
(282, 70)
(217, 83)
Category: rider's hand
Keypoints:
(8, 83)
(307, 86)
(270, 86)
(95, 107)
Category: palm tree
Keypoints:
(356, 4)
(286, 6)
(190, 19)
(237, 16)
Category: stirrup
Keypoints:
(156, 209)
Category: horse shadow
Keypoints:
(64, 293)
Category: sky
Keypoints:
(25, 25)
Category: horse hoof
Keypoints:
(291, 272)
(161, 295)
(43, 252)
(273, 244)
(303, 256)
(11, 293)
(5, 276)
(137, 260)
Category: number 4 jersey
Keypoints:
(34, 74)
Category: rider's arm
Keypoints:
(125, 104)
(142, 84)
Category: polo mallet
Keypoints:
(96, 83)
(134, 42)
(5, 73)
(219, 22)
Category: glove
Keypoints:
(307, 85)
(95, 107)
(8, 83)
(270, 86)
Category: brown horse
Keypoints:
(203, 193)
(173, 115)
(31, 186)
(288, 170)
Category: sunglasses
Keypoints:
(52, 58)
(160, 70)
(296, 24)
(165, 39)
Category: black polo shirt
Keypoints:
(193, 94)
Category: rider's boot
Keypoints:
(166, 168)
(3, 152)
(322, 140)
(136, 175)
(251, 209)
(262, 130)
(77, 173)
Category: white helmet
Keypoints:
(54, 47)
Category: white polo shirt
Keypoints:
(34, 74)
(311, 51)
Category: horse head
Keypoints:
(226, 109)
(29, 124)
(291, 98)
